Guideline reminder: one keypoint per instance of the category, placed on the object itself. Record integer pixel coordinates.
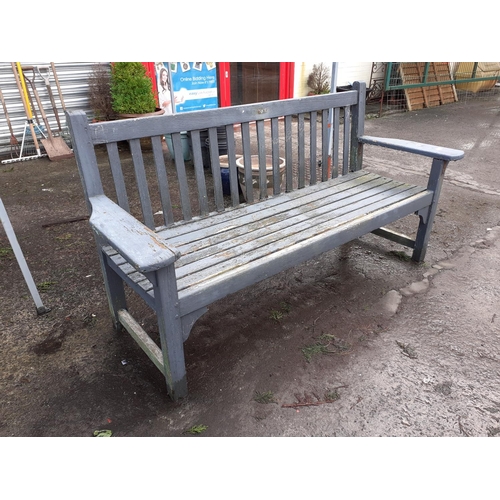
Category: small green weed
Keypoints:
(197, 429)
(311, 350)
(276, 315)
(400, 255)
(264, 397)
(326, 344)
(279, 314)
(65, 236)
(332, 395)
(45, 286)
(6, 252)
(286, 307)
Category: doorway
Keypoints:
(254, 82)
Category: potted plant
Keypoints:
(319, 80)
(132, 90)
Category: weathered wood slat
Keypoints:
(325, 138)
(336, 141)
(214, 160)
(232, 217)
(142, 183)
(233, 169)
(270, 230)
(261, 148)
(275, 144)
(163, 185)
(301, 161)
(288, 154)
(180, 168)
(266, 241)
(142, 338)
(199, 172)
(345, 151)
(247, 160)
(117, 173)
(285, 256)
(313, 155)
(318, 200)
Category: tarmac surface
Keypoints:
(413, 350)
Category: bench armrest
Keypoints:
(141, 246)
(419, 148)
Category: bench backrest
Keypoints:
(294, 142)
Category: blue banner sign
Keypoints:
(192, 85)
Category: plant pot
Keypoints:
(345, 88)
(126, 116)
(205, 145)
(256, 174)
(186, 146)
(225, 173)
(146, 144)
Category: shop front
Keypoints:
(204, 85)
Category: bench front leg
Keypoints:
(115, 290)
(427, 219)
(170, 329)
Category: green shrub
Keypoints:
(131, 89)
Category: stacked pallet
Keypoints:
(427, 97)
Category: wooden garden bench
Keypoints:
(168, 231)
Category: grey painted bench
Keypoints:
(171, 235)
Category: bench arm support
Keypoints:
(419, 148)
(141, 246)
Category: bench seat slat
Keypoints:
(199, 223)
(224, 279)
(286, 215)
(267, 242)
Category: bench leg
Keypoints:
(171, 333)
(114, 290)
(426, 221)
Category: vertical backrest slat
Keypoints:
(180, 168)
(357, 128)
(313, 145)
(214, 159)
(142, 182)
(117, 173)
(325, 140)
(336, 142)
(233, 169)
(247, 160)
(301, 151)
(275, 151)
(161, 175)
(261, 151)
(288, 153)
(345, 153)
(199, 171)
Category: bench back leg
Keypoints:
(170, 329)
(426, 221)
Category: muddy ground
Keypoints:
(359, 342)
